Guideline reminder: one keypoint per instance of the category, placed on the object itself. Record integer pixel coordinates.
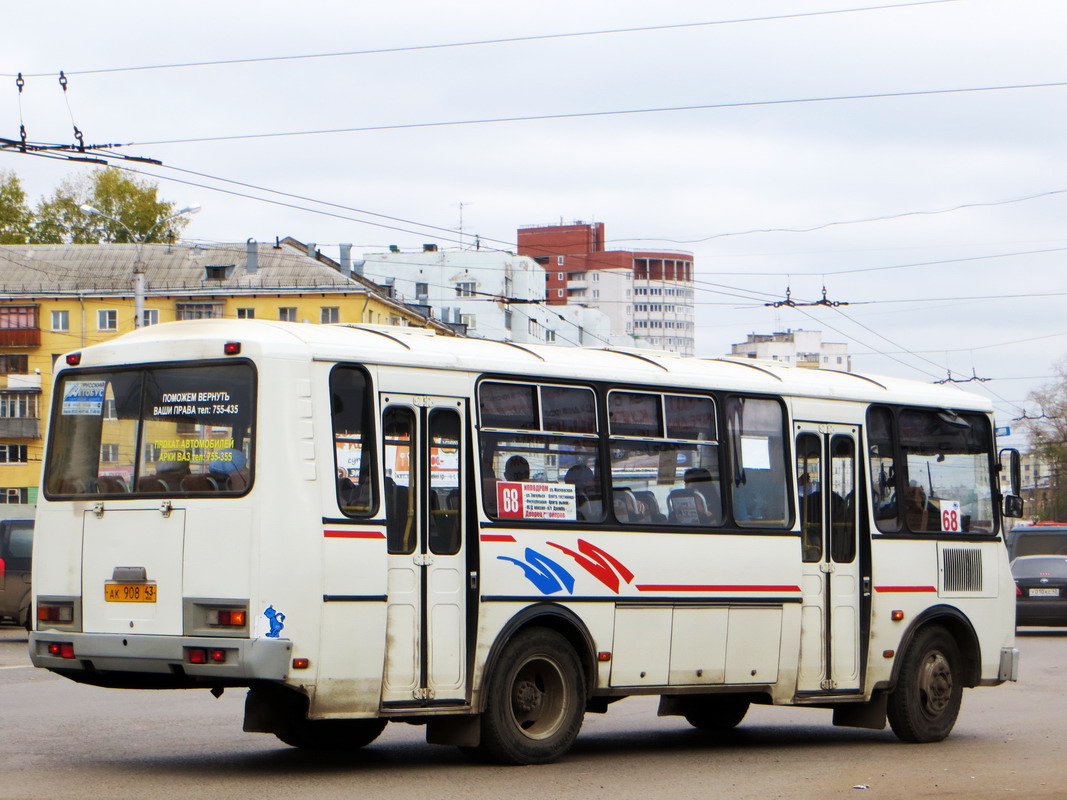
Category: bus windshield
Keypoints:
(152, 431)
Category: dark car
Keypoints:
(1041, 590)
(1042, 538)
(16, 547)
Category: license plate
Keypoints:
(1044, 593)
(130, 592)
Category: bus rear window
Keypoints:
(165, 430)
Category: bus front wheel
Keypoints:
(926, 701)
(536, 700)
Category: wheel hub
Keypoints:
(526, 697)
(935, 683)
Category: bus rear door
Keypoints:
(423, 459)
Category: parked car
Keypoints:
(1041, 590)
(1041, 538)
(16, 547)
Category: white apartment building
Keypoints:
(799, 348)
(496, 295)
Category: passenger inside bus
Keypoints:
(587, 492)
(517, 469)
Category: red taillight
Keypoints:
(231, 617)
(61, 649)
(197, 655)
(1018, 591)
(218, 656)
(74, 359)
(232, 348)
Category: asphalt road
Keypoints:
(60, 740)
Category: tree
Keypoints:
(16, 219)
(59, 218)
(1048, 437)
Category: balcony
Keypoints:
(20, 337)
(20, 428)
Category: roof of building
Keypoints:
(44, 270)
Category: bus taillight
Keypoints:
(62, 614)
(61, 649)
(227, 617)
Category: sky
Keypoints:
(907, 157)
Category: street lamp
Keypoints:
(138, 267)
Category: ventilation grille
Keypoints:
(963, 569)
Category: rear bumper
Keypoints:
(1041, 612)
(106, 659)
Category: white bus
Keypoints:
(364, 525)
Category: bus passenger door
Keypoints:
(423, 449)
(830, 637)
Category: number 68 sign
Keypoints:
(950, 516)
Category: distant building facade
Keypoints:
(59, 298)
(798, 348)
(492, 294)
(648, 295)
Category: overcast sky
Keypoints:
(979, 290)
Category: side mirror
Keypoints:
(1013, 506)
(1011, 463)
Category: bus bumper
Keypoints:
(1009, 664)
(107, 659)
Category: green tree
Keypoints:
(16, 219)
(135, 203)
(1048, 439)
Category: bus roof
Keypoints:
(418, 347)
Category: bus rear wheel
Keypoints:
(716, 713)
(536, 700)
(926, 701)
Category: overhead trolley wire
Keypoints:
(482, 42)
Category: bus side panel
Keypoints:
(58, 528)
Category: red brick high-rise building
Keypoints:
(648, 295)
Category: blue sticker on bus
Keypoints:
(276, 619)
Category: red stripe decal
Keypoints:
(670, 587)
(353, 534)
(905, 588)
(497, 537)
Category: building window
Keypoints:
(12, 364)
(507, 319)
(199, 311)
(246, 313)
(328, 315)
(287, 313)
(596, 276)
(61, 320)
(151, 317)
(18, 317)
(109, 453)
(470, 320)
(422, 289)
(107, 320)
(9, 495)
(13, 454)
(550, 335)
(465, 289)
(18, 405)
(559, 293)
(561, 276)
(560, 260)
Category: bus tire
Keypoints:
(535, 701)
(926, 700)
(331, 734)
(716, 713)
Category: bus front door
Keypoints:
(423, 448)
(828, 492)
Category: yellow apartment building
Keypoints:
(59, 298)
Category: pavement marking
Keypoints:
(20, 666)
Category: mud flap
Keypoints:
(863, 715)
(463, 731)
